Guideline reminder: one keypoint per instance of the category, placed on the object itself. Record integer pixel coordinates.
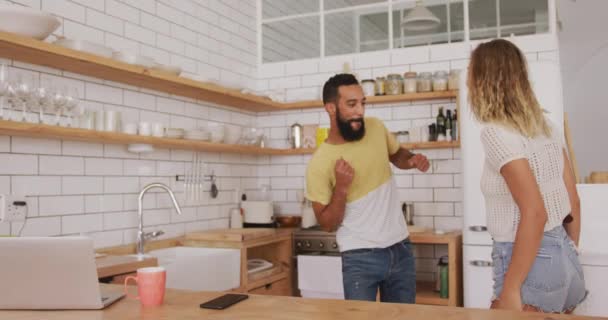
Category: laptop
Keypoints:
(50, 273)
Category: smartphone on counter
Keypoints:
(224, 301)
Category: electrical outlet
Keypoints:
(13, 207)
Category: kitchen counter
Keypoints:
(185, 305)
(236, 238)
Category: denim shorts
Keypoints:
(555, 283)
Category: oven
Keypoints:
(318, 265)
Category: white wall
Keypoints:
(583, 46)
(91, 188)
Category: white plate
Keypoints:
(85, 46)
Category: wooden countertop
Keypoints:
(114, 265)
(185, 305)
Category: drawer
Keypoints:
(278, 288)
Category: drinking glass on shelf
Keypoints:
(4, 91)
(71, 102)
(23, 89)
(42, 98)
(58, 102)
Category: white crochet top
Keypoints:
(546, 159)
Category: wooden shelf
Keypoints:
(47, 54)
(42, 53)
(378, 99)
(426, 294)
(41, 131)
(409, 146)
(266, 280)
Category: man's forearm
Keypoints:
(331, 217)
(400, 159)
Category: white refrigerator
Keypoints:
(477, 244)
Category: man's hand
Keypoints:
(419, 161)
(344, 175)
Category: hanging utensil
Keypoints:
(214, 191)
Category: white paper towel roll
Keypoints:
(308, 217)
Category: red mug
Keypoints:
(150, 285)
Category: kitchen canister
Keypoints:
(236, 218)
(295, 136)
(369, 87)
(410, 82)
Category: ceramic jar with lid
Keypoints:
(409, 82)
(380, 86)
(394, 84)
(440, 81)
(425, 82)
(369, 87)
(453, 80)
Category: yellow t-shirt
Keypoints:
(373, 217)
(369, 157)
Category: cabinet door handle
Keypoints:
(478, 228)
(481, 263)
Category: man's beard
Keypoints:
(347, 131)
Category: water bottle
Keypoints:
(443, 277)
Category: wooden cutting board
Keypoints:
(233, 235)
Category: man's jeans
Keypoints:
(391, 270)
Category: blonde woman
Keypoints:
(533, 210)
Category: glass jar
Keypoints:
(369, 87)
(453, 80)
(409, 82)
(380, 84)
(440, 81)
(424, 82)
(402, 136)
(394, 84)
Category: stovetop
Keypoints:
(315, 241)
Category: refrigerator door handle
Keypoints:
(481, 263)
(478, 228)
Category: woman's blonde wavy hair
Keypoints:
(500, 92)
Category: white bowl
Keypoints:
(27, 22)
(85, 46)
(132, 58)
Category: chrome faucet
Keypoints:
(141, 236)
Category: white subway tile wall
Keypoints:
(90, 188)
